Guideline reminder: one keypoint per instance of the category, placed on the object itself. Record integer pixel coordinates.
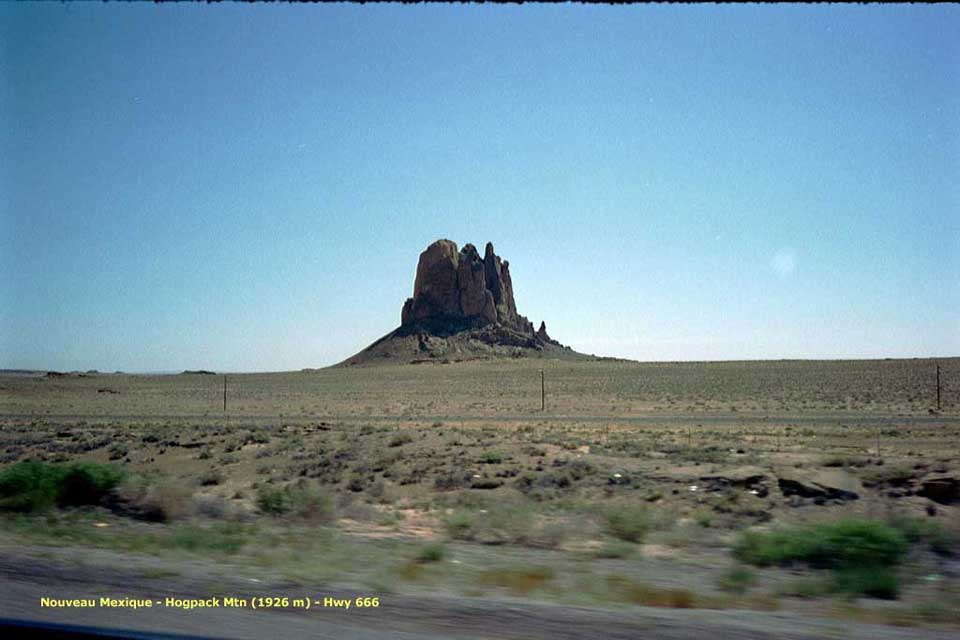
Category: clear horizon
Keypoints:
(241, 373)
(244, 188)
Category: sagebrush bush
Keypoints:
(400, 439)
(460, 525)
(212, 507)
(34, 486)
(155, 499)
(299, 500)
(629, 522)
(506, 524)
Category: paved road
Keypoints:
(24, 580)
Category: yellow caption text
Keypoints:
(221, 602)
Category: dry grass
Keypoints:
(628, 590)
(518, 581)
(509, 387)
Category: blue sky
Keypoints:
(247, 188)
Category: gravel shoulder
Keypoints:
(25, 577)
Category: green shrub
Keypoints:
(549, 535)
(224, 539)
(486, 483)
(806, 588)
(498, 525)
(704, 518)
(460, 525)
(28, 486)
(916, 530)
(34, 486)
(861, 553)
(276, 501)
(84, 483)
(869, 580)
(118, 451)
(491, 457)
(299, 500)
(767, 549)
(629, 522)
(615, 549)
(400, 439)
(210, 477)
(736, 579)
(845, 461)
(256, 436)
(431, 553)
(844, 543)
(507, 524)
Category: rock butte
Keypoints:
(462, 309)
(454, 291)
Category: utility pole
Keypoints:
(543, 393)
(224, 393)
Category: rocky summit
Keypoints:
(462, 309)
(455, 291)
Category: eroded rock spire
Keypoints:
(454, 289)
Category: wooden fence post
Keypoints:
(938, 387)
(543, 392)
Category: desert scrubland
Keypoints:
(728, 486)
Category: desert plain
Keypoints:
(823, 490)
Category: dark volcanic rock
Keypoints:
(942, 489)
(458, 291)
(475, 299)
(462, 309)
(435, 291)
(502, 291)
(820, 485)
(542, 334)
